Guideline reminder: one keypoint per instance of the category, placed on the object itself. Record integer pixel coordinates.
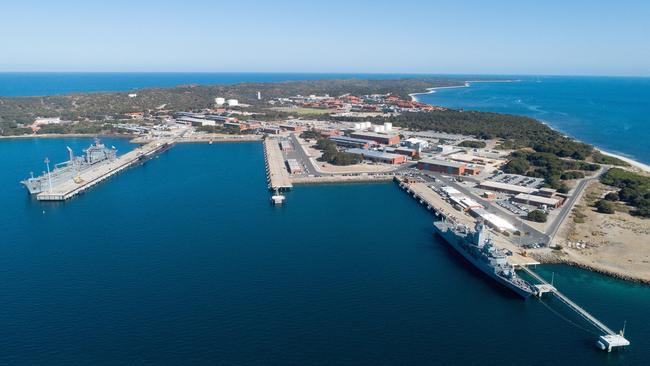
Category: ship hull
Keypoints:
(453, 241)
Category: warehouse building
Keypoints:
(406, 151)
(416, 143)
(496, 222)
(271, 130)
(294, 166)
(294, 128)
(345, 141)
(505, 187)
(377, 137)
(538, 201)
(285, 145)
(464, 202)
(442, 166)
(472, 169)
(194, 121)
(379, 156)
(546, 192)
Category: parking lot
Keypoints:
(519, 180)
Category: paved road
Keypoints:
(302, 155)
(571, 201)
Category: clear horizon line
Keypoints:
(323, 73)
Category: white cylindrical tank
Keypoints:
(357, 126)
(233, 102)
(388, 126)
(219, 101)
(367, 125)
(378, 128)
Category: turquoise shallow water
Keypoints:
(184, 261)
(612, 113)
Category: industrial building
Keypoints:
(538, 201)
(328, 132)
(285, 145)
(271, 130)
(445, 149)
(294, 166)
(472, 169)
(416, 143)
(379, 156)
(377, 137)
(546, 192)
(464, 202)
(492, 220)
(505, 187)
(442, 166)
(406, 151)
(218, 118)
(294, 128)
(345, 141)
(196, 121)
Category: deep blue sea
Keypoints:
(612, 113)
(53, 83)
(184, 261)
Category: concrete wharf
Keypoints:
(340, 178)
(73, 186)
(443, 209)
(276, 171)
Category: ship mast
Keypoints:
(49, 178)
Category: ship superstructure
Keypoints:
(477, 247)
(95, 155)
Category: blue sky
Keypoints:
(408, 36)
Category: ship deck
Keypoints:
(68, 188)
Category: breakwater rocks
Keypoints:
(561, 258)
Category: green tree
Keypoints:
(605, 207)
(537, 216)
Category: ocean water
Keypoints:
(612, 113)
(184, 261)
(53, 83)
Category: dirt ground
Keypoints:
(617, 244)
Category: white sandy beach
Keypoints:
(467, 84)
(632, 162)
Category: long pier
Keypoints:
(276, 172)
(426, 196)
(608, 341)
(71, 187)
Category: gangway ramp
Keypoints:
(608, 341)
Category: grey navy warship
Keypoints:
(478, 249)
